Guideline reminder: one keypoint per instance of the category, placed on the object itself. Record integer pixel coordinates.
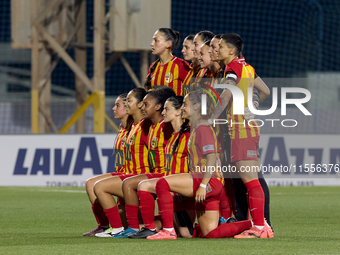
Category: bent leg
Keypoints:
(147, 202)
(179, 183)
(90, 184)
(104, 190)
(208, 220)
(129, 188)
(229, 229)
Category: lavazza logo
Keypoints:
(238, 106)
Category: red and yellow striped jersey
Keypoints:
(172, 74)
(202, 142)
(238, 125)
(208, 77)
(177, 162)
(120, 147)
(136, 150)
(159, 135)
(189, 79)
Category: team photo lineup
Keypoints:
(166, 145)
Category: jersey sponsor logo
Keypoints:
(153, 77)
(251, 154)
(152, 159)
(209, 147)
(186, 89)
(169, 77)
(119, 157)
(154, 142)
(168, 162)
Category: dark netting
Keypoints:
(283, 39)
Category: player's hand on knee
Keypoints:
(200, 195)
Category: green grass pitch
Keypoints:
(43, 220)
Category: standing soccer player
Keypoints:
(200, 38)
(236, 190)
(244, 138)
(188, 54)
(168, 70)
(119, 112)
(136, 162)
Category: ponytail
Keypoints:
(147, 81)
(183, 128)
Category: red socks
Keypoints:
(132, 215)
(165, 203)
(225, 207)
(229, 229)
(147, 208)
(98, 212)
(114, 218)
(256, 202)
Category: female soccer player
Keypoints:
(212, 68)
(200, 38)
(188, 54)
(202, 183)
(136, 162)
(119, 112)
(176, 162)
(244, 137)
(168, 70)
(159, 135)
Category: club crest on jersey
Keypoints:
(189, 143)
(123, 142)
(168, 77)
(154, 142)
(132, 140)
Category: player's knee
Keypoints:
(162, 184)
(97, 188)
(89, 184)
(126, 185)
(142, 186)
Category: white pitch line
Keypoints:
(66, 191)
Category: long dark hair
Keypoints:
(177, 102)
(169, 35)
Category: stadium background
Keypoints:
(290, 44)
(283, 39)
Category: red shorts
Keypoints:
(244, 149)
(115, 174)
(212, 199)
(124, 176)
(154, 175)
